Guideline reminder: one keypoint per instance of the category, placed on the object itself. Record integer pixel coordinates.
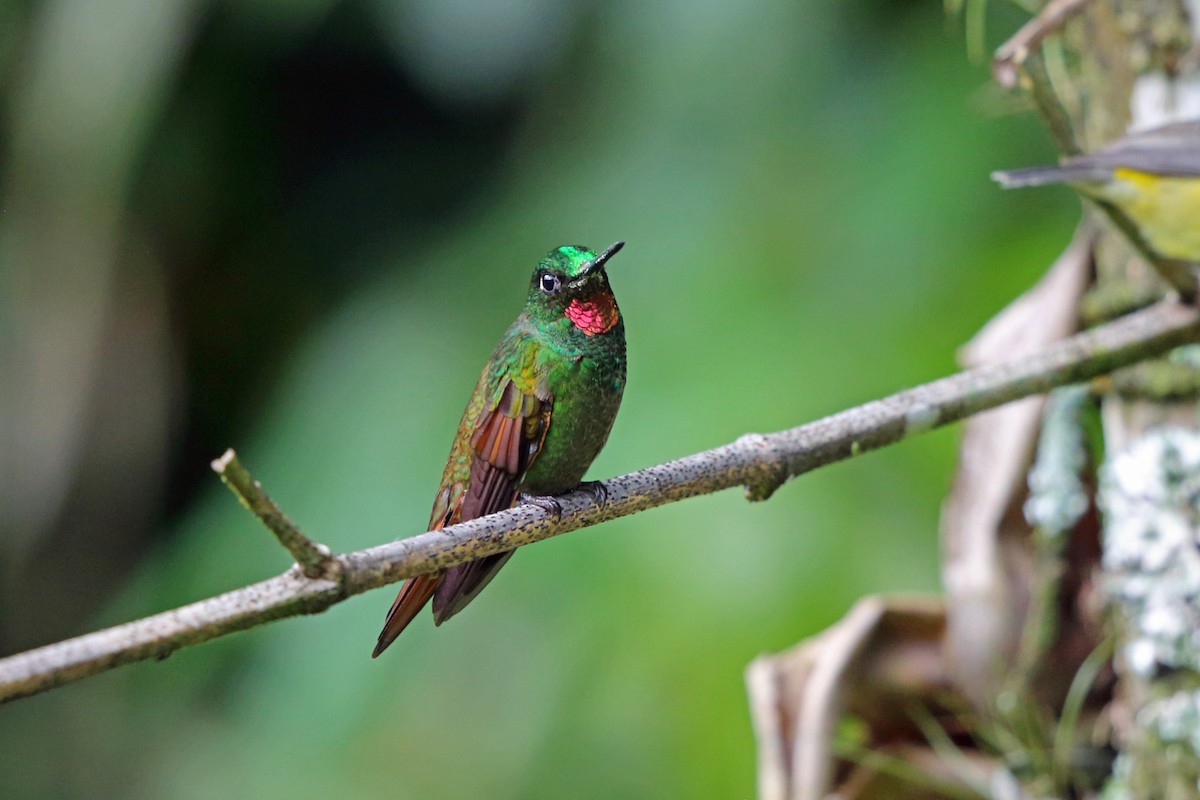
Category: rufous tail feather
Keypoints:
(412, 598)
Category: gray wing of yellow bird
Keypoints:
(1153, 177)
(1170, 150)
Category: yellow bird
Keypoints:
(1152, 177)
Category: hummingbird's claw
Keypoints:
(544, 502)
(597, 490)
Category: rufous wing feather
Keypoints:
(505, 445)
(505, 441)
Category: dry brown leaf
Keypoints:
(987, 550)
(879, 662)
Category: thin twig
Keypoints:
(314, 559)
(1011, 56)
(759, 462)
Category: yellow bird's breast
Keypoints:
(1165, 208)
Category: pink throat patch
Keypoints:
(597, 314)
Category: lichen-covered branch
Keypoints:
(1149, 494)
(760, 462)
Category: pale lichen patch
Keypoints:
(1152, 548)
(1057, 497)
(920, 419)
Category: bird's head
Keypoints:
(570, 281)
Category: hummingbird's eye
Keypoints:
(549, 283)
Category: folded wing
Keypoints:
(506, 440)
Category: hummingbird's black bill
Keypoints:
(598, 261)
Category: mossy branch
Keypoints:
(759, 462)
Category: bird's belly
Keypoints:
(1166, 210)
(587, 395)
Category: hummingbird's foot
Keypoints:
(545, 502)
(597, 490)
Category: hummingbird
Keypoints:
(541, 411)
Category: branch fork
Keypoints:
(314, 559)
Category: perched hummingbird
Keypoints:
(540, 413)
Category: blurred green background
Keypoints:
(299, 227)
